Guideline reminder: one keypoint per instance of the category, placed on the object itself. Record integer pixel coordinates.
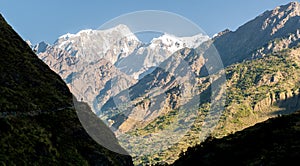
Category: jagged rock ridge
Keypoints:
(278, 23)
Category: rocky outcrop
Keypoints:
(289, 41)
(287, 101)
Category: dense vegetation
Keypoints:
(38, 124)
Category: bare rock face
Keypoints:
(289, 100)
(278, 44)
(280, 16)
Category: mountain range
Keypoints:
(158, 98)
(98, 64)
(135, 84)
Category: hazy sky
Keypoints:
(38, 20)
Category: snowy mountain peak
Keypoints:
(174, 43)
(166, 39)
(194, 41)
(70, 35)
(121, 29)
(112, 44)
(66, 36)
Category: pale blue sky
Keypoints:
(38, 20)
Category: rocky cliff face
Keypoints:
(278, 44)
(288, 101)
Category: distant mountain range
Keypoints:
(91, 59)
(139, 89)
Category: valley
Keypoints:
(104, 96)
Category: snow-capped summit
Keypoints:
(111, 44)
(120, 31)
(149, 56)
(173, 43)
(194, 41)
(123, 30)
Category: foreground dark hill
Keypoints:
(273, 142)
(38, 123)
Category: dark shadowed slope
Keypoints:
(38, 124)
(273, 142)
